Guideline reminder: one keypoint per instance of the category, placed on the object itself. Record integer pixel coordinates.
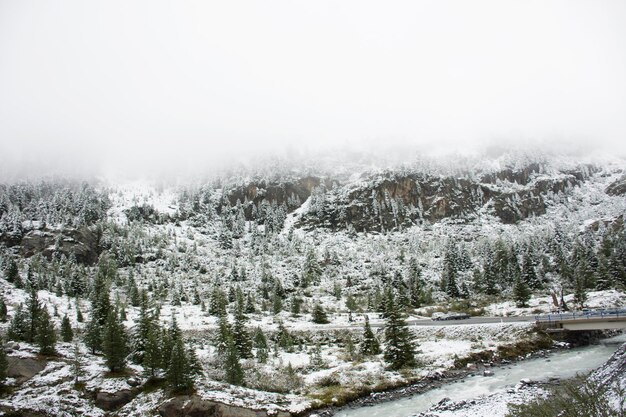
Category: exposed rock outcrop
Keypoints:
(82, 243)
(23, 369)
(291, 193)
(109, 401)
(194, 406)
(617, 188)
(394, 201)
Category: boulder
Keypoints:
(194, 406)
(109, 401)
(487, 373)
(23, 369)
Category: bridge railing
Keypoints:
(582, 315)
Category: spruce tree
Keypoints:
(316, 361)
(45, 334)
(3, 310)
(521, 292)
(580, 292)
(319, 315)
(115, 343)
(4, 364)
(12, 274)
(19, 326)
(260, 344)
(33, 308)
(179, 372)
(152, 358)
(67, 334)
(529, 275)
(241, 337)
(370, 345)
(93, 336)
(234, 373)
(399, 348)
(224, 336)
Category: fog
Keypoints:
(140, 88)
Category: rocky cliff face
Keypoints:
(83, 243)
(394, 201)
(290, 193)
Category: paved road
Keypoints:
(429, 322)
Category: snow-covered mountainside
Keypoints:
(270, 278)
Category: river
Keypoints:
(562, 364)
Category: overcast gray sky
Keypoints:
(142, 85)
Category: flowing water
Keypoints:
(562, 365)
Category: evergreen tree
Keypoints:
(3, 310)
(319, 315)
(93, 336)
(260, 344)
(18, 327)
(399, 349)
(224, 336)
(67, 334)
(351, 303)
(77, 368)
(311, 271)
(45, 334)
(33, 308)
(12, 274)
(529, 274)
(295, 305)
(241, 337)
(152, 358)
(115, 343)
(580, 292)
(370, 345)
(521, 292)
(179, 371)
(4, 364)
(100, 298)
(449, 279)
(234, 373)
(316, 361)
(218, 302)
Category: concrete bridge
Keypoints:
(610, 319)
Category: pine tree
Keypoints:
(19, 325)
(399, 348)
(370, 345)
(115, 343)
(529, 275)
(234, 373)
(12, 274)
(152, 358)
(241, 337)
(45, 334)
(316, 361)
(33, 308)
(218, 302)
(77, 368)
(311, 271)
(3, 310)
(260, 344)
(580, 293)
(93, 336)
(100, 299)
(521, 292)
(67, 334)
(319, 315)
(4, 364)
(449, 279)
(224, 335)
(179, 372)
